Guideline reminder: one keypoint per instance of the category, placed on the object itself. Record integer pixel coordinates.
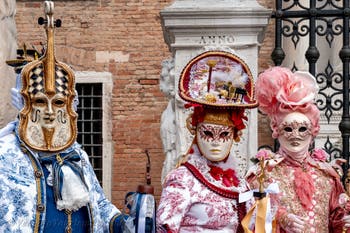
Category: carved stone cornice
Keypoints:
(219, 20)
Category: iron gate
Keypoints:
(309, 23)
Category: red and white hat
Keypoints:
(218, 79)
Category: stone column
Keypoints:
(8, 47)
(191, 27)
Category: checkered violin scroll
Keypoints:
(47, 71)
(49, 78)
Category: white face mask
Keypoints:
(48, 116)
(214, 141)
(295, 135)
(49, 112)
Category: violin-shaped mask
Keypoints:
(48, 121)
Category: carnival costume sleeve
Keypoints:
(174, 202)
(111, 217)
(339, 204)
(336, 211)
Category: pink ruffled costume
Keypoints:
(310, 188)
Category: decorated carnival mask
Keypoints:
(214, 141)
(215, 135)
(295, 134)
(48, 121)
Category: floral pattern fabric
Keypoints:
(18, 191)
(188, 205)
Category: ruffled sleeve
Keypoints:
(336, 211)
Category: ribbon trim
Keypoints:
(263, 218)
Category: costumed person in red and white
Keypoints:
(311, 198)
(201, 194)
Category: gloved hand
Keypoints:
(293, 224)
(16, 98)
(346, 220)
(337, 165)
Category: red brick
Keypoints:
(149, 81)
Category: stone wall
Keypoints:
(8, 48)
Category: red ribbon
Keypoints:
(228, 176)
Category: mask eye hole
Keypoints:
(59, 103)
(302, 129)
(208, 133)
(224, 134)
(288, 129)
(39, 101)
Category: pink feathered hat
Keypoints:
(279, 92)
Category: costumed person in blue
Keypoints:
(46, 181)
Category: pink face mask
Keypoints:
(295, 129)
(295, 135)
(214, 141)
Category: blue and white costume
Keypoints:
(24, 195)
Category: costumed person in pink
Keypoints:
(201, 195)
(312, 198)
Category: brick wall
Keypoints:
(264, 132)
(126, 39)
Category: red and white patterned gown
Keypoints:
(194, 201)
